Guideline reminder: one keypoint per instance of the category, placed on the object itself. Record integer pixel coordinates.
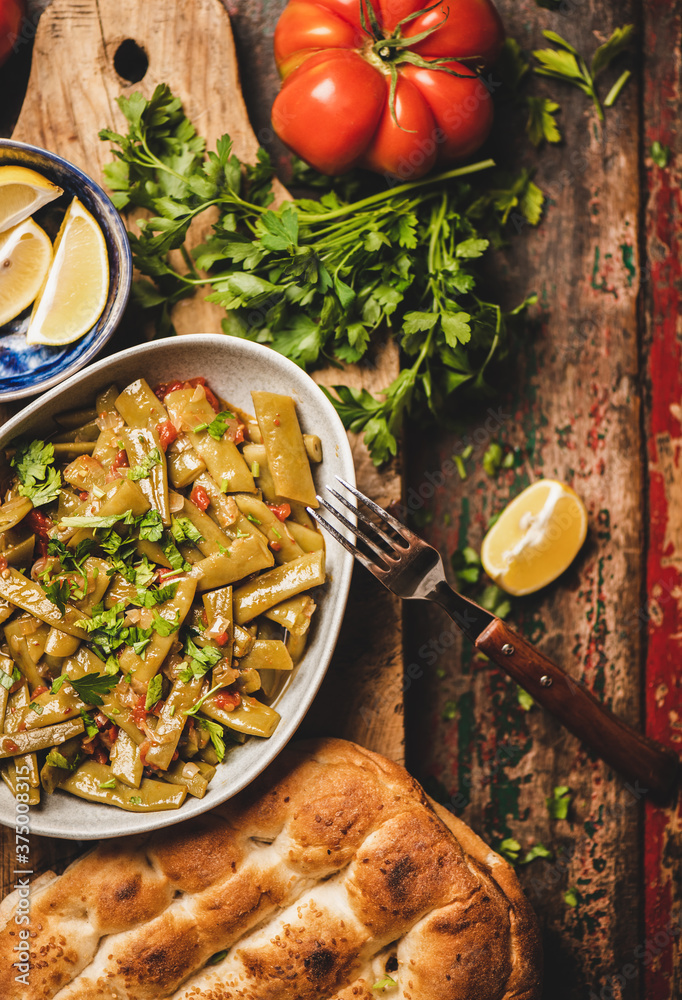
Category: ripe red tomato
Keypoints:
(390, 85)
(11, 16)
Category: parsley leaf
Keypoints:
(201, 659)
(152, 596)
(38, 478)
(660, 154)
(163, 626)
(58, 682)
(150, 526)
(7, 680)
(56, 759)
(565, 63)
(216, 732)
(90, 727)
(541, 125)
(94, 520)
(143, 470)
(538, 851)
(183, 530)
(91, 686)
(173, 554)
(58, 591)
(558, 802)
(154, 691)
(218, 425)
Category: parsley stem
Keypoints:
(375, 199)
(195, 708)
(612, 95)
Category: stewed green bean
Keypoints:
(156, 560)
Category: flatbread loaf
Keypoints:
(328, 873)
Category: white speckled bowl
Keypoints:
(233, 368)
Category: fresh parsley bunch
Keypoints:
(320, 280)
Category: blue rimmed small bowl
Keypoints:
(26, 370)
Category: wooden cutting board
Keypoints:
(87, 53)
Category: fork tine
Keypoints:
(365, 521)
(358, 531)
(383, 514)
(348, 546)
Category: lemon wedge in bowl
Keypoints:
(25, 256)
(536, 537)
(75, 291)
(22, 193)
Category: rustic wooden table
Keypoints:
(595, 399)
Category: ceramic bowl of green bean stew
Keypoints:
(168, 608)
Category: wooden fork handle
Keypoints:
(650, 767)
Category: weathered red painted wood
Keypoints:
(661, 951)
(569, 401)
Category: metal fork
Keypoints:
(412, 569)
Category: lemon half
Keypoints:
(23, 192)
(537, 537)
(25, 256)
(75, 290)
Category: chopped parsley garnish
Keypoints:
(90, 727)
(150, 526)
(107, 629)
(70, 560)
(215, 731)
(57, 683)
(144, 572)
(165, 627)
(56, 759)
(197, 705)
(35, 707)
(218, 425)
(154, 691)
(152, 596)
(143, 471)
(38, 478)
(183, 530)
(111, 666)
(201, 659)
(8, 680)
(59, 591)
(173, 554)
(91, 686)
(135, 800)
